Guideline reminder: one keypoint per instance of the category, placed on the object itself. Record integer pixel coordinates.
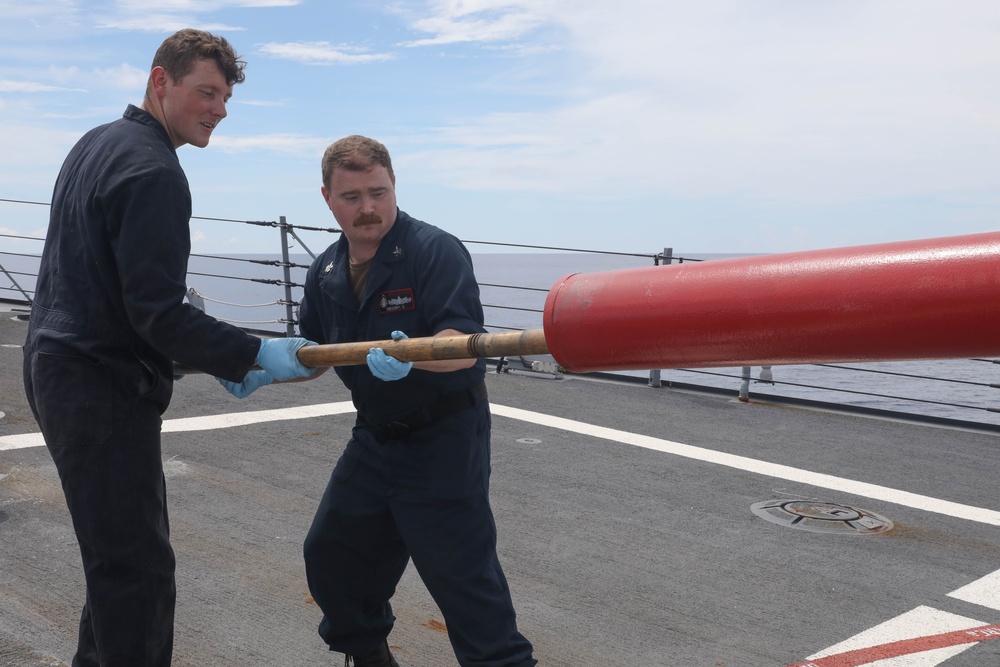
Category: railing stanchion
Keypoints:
(668, 257)
(16, 286)
(745, 385)
(287, 269)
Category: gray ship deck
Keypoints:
(625, 525)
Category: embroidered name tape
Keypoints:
(395, 301)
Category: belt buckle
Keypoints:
(398, 429)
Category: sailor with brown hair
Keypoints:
(108, 320)
(413, 480)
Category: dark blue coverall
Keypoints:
(107, 319)
(419, 490)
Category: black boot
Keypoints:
(380, 657)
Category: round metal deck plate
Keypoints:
(820, 517)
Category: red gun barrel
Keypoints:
(925, 299)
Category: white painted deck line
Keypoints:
(22, 441)
(210, 422)
(985, 591)
(919, 622)
(839, 484)
(234, 419)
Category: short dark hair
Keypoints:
(355, 153)
(179, 53)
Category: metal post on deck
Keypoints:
(286, 267)
(745, 385)
(16, 286)
(668, 257)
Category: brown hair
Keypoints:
(355, 153)
(179, 53)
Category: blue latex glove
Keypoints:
(385, 367)
(277, 357)
(253, 381)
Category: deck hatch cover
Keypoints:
(821, 517)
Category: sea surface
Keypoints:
(514, 286)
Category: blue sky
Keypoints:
(709, 126)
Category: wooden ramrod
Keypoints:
(468, 346)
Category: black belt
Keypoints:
(450, 403)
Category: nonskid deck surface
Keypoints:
(625, 521)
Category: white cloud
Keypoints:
(483, 21)
(124, 76)
(322, 53)
(7, 86)
(139, 6)
(805, 102)
(161, 23)
(287, 144)
(259, 103)
(18, 10)
(131, 15)
(64, 74)
(172, 15)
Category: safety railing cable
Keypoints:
(517, 300)
(911, 375)
(854, 391)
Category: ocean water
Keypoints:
(514, 287)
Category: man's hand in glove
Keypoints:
(277, 357)
(253, 381)
(385, 367)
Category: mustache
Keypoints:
(364, 219)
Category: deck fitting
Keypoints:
(821, 517)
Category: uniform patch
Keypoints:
(395, 301)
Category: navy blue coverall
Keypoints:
(422, 494)
(107, 319)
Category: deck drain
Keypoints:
(820, 517)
